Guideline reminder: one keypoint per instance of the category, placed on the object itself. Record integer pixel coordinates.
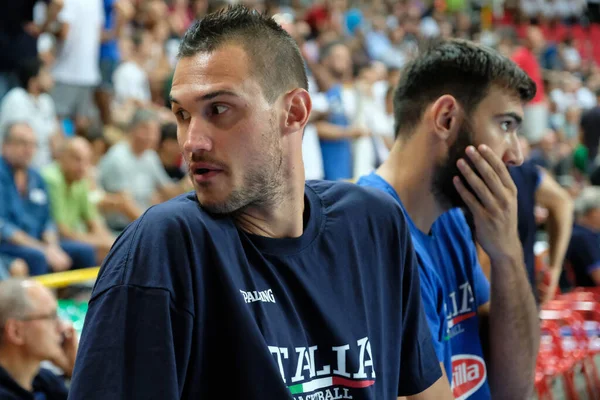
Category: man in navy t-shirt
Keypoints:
(536, 186)
(452, 98)
(257, 286)
(583, 254)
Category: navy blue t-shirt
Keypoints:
(187, 306)
(583, 254)
(46, 386)
(527, 178)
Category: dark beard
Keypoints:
(442, 186)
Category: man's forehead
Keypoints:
(227, 63)
(501, 101)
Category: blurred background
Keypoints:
(84, 88)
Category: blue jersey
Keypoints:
(187, 306)
(453, 286)
(337, 154)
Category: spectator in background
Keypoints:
(535, 186)
(18, 37)
(31, 103)
(73, 212)
(130, 78)
(583, 254)
(11, 266)
(590, 132)
(336, 132)
(77, 67)
(133, 166)
(535, 122)
(116, 14)
(170, 153)
(30, 333)
(26, 227)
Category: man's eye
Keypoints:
(218, 109)
(506, 126)
(182, 115)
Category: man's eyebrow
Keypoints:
(208, 96)
(518, 119)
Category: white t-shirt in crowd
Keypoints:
(120, 170)
(78, 57)
(39, 113)
(131, 82)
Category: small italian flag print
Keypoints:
(329, 381)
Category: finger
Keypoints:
(498, 165)
(470, 200)
(489, 175)
(479, 187)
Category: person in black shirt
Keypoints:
(259, 285)
(30, 332)
(18, 36)
(536, 186)
(169, 153)
(583, 254)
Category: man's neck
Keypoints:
(410, 174)
(284, 218)
(136, 150)
(21, 369)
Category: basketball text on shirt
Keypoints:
(327, 383)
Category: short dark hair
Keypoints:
(168, 131)
(459, 68)
(275, 58)
(28, 69)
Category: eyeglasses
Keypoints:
(53, 316)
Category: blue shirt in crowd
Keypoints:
(109, 50)
(29, 212)
(453, 286)
(337, 154)
(334, 313)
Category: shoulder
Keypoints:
(48, 381)
(343, 196)
(361, 208)
(116, 151)
(15, 95)
(170, 247)
(51, 174)
(454, 223)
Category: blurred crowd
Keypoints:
(89, 142)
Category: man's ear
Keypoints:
(13, 332)
(297, 106)
(446, 117)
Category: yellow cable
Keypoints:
(68, 278)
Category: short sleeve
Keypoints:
(433, 305)
(110, 175)
(57, 201)
(136, 317)
(419, 363)
(89, 209)
(480, 281)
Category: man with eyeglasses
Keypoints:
(26, 227)
(30, 332)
